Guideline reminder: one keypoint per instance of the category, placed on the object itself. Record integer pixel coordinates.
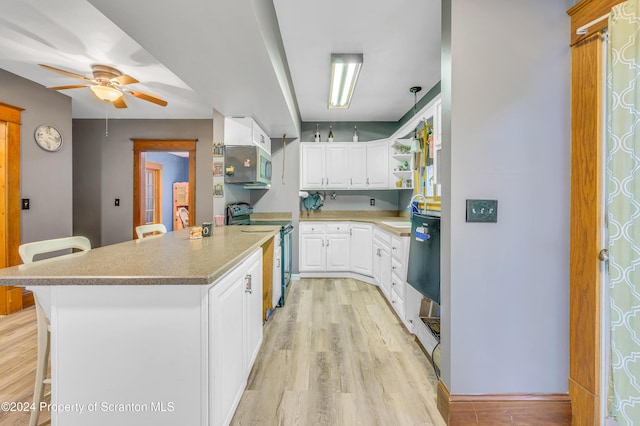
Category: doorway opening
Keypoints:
(162, 169)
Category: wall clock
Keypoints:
(48, 138)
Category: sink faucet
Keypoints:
(415, 198)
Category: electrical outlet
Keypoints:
(372, 202)
(117, 202)
(482, 211)
(26, 204)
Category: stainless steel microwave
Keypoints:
(250, 165)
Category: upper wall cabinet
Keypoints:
(344, 165)
(245, 131)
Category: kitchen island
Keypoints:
(160, 331)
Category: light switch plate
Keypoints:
(482, 211)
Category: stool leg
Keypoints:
(44, 336)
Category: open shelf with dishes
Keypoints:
(402, 163)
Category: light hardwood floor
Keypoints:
(18, 352)
(336, 354)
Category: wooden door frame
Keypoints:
(140, 146)
(587, 104)
(10, 297)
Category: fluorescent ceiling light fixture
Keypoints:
(106, 93)
(345, 68)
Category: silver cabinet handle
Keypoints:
(247, 284)
(351, 231)
(604, 255)
(351, 181)
(278, 265)
(367, 181)
(393, 268)
(323, 242)
(327, 243)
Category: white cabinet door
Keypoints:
(226, 346)
(260, 137)
(361, 248)
(312, 166)
(252, 309)
(378, 165)
(312, 252)
(337, 246)
(377, 261)
(337, 167)
(357, 160)
(385, 271)
(245, 131)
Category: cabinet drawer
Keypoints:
(398, 305)
(397, 248)
(397, 286)
(382, 236)
(312, 228)
(337, 228)
(398, 269)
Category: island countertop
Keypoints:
(167, 259)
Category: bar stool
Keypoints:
(151, 229)
(27, 252)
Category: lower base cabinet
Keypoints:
(235, 335)
(363, 251)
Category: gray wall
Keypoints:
(116, 168)
(506, 136)
(283, 195)
(45, 177)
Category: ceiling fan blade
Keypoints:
(124, 80)
(76, 86)
(120, 103)
(63, 72)
(148, 98)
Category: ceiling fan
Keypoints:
(106, 84)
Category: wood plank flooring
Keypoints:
(337, 355)
(334, 355)
(18, 353)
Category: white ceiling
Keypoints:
(400, 41)
(229, 54)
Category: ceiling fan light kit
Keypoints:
(106, 93)
(345, 69)
(106, 85)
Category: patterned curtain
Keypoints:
(623, 205)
